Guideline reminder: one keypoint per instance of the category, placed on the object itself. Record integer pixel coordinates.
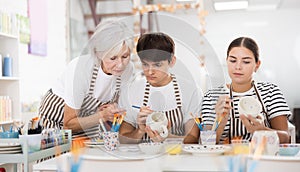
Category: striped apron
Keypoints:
(52, 108)
(236, 128)
(175, 116)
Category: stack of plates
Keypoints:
(9, 148)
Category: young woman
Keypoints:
(160, 91)
(89, 88)
(222, 102)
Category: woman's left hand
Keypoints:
(252, 124)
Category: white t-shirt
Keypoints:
(73, 85)
(161, 98)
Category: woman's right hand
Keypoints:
(142, 116)
(107, 111)
(223, 107)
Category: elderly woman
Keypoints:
(89, 87)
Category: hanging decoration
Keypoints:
(198, 5)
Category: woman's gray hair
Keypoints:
(109, 38)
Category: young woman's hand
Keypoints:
(142, 116)
(223, 107)
(251, 123)
(154, 135)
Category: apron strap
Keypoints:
(146, 94)
(232, 121)
(116, 95)
(93, 80)
(266, 120)
(176, 91)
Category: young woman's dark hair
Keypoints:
(247, 43)
(155, 47)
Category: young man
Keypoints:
(158, 90)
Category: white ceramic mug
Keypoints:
(271, 147)
(158, 121)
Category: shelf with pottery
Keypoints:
(25, 157)
(10, 84)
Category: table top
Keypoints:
(130, 158)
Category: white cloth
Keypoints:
(74, 83)
(161, 98)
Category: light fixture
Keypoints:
(230, 5)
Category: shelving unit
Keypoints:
(26, 158)
(10, 86)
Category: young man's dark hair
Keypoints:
(155, 47)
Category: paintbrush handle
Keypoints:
(137, 107)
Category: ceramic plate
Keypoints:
(9, 145)
(10, 148)
(206, 149)
(11, 151)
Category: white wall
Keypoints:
(78, 30)
(37, 73)
(277, 33)
(278, 36)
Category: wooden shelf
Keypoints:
(4, 78)
(5, 35)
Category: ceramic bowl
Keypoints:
(249, 106)
(151, 148)
(33, 141)
(289, 149)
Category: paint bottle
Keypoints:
(1, 63)
(7, 66)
